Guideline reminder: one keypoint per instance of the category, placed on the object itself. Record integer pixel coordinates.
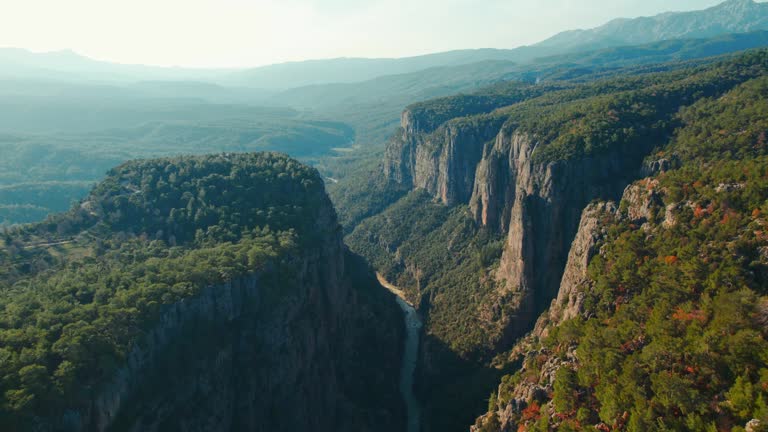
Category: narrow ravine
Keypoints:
(410, 355)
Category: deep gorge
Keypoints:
(410, 358)
(481, 243)
(568, 243)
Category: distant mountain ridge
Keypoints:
(67, 65)
(348, 70)
(732, 16)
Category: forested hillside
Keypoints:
(95, 302)
(60, 136)
(481, 243)
(43, 174)
(575, 230)
(668, 328)
(730, 16)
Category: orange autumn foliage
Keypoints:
(730, 214)
(694, 315)
(532, 411)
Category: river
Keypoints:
(410, 355)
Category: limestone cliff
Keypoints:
(540, 364)
(442, 160)
(537, 204)
(527, 172)
(293, 347)
(570, 296)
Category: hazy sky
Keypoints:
(214, 33)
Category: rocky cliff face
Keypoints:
(286, 349)
(574, 284)
(539, 205)
(641, 203)
(442, 160)
(535, 206)
(492, 167)
(575, 281)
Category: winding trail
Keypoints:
(410, 355)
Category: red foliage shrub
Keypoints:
(694, 315)
(532, 412)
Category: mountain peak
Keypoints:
(730, 4)
(730, 16)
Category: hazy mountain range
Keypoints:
(100, 113)
(575, 231)
(733, 16)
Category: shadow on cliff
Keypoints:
(454, 391)
(370, 359)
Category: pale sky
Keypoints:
(241, 33)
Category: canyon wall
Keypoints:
(640, 203)
(491, 167)
(295, 346)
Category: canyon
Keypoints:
(289, 334)
(410, 359)
(507, 201)
(570, 243)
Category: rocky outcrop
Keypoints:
(568, 305)
(639, 202)
(655, 166)
(642, 201)
(292, 347)
(442, 161)
(536, 204)
(400, 156)
(535, 388)
(539, 204)
(575, 280)
(493, 168)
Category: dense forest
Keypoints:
(581, 226)
(41, 174)
(60, 137)
(672, 335)
(447, 263)
(80, 288)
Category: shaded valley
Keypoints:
(565, 236)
